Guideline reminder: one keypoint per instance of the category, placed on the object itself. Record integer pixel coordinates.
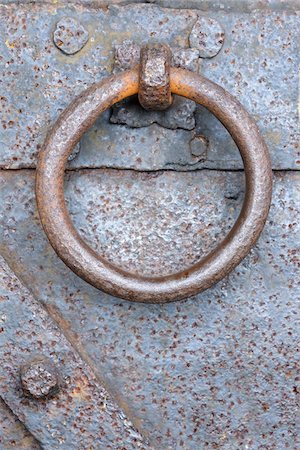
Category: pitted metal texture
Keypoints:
(154, 77)
(81, 115)
(229, 353)
(260, 48)
(219, 371)
(13, 433)
(70, 36)
(39, 378)
(82, 414)
(180, 114)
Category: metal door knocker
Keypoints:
(154, 81)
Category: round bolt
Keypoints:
(70, 36)
(39, 378)
(207, 36)
(198, 146)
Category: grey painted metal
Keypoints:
(207, 36)
(82, 113)
(13, 433)
(82, 414)
(70, 36)
(39, 378)
(217, 371)
(220, 372)
(260, 49)
(203, 5)
(130, 112)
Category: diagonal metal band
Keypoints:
(82, 414)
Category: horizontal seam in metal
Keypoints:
(127, 169)
(289, 6)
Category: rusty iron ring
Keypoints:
(93, 268)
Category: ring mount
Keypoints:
(93, 268)
(154, 82)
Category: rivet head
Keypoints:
(39, 378)
(207, 36)
(199, 146)
(70, 36)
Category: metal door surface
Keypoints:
(153, 192)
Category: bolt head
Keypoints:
(207, 36)
(199, 145)
(70, 36)
(39, 378)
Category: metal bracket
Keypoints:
(129, 112)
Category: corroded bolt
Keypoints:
(39, 378)
(199, 145)
(70, 36)
(207, 36)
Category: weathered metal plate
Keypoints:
(219, 370)
(13, 434)
(216, 371)
(258, 63)
(81, 414)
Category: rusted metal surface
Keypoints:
(39, 378)
(154, 77)
(218, 371)
(207, 36)
(129, 112)
(82, 413)
(203, 5)
(127, 55)
(70, 36)
(232, 5)
(13, 434)
(260, 49)
(229, 354)
(181, 114)
(82, 259)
